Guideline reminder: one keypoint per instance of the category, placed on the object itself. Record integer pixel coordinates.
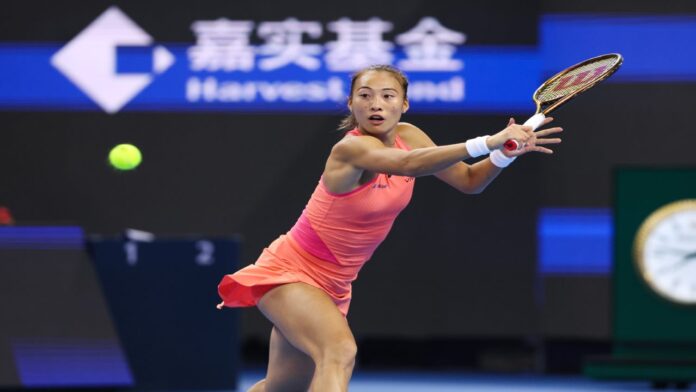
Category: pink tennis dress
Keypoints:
(331, 241)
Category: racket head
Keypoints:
(575, 80)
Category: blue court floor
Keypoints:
(369, 381)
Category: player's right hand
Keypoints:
(520, 133)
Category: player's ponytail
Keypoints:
(349, 122)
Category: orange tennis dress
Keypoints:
(331, 241)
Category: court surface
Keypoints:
(370, 381)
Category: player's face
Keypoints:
(377, 102)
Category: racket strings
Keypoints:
(577, 79)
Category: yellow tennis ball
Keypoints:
(125, 157)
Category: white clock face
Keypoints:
(667, 252)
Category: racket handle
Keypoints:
(511, 145)
(534, 122)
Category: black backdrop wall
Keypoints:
(454, 265)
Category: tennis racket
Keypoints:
(567, 85)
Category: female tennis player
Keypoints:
(302, 281)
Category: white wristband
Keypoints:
(477, 146)
(499, 159)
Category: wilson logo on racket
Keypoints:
(582, 77)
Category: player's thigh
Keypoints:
(289, 369)
(309, 320)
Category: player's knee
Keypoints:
(341, 353)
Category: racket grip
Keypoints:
(534, 122)
(511, 145)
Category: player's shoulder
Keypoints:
(413, 136)
(352, 144)
(358, 139)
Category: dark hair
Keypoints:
(349, 122)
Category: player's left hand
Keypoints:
(536, 139)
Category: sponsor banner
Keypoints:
(295, 65)
(492, 81)
(116, 65)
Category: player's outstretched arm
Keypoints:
(367, 153)
(474, 178)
